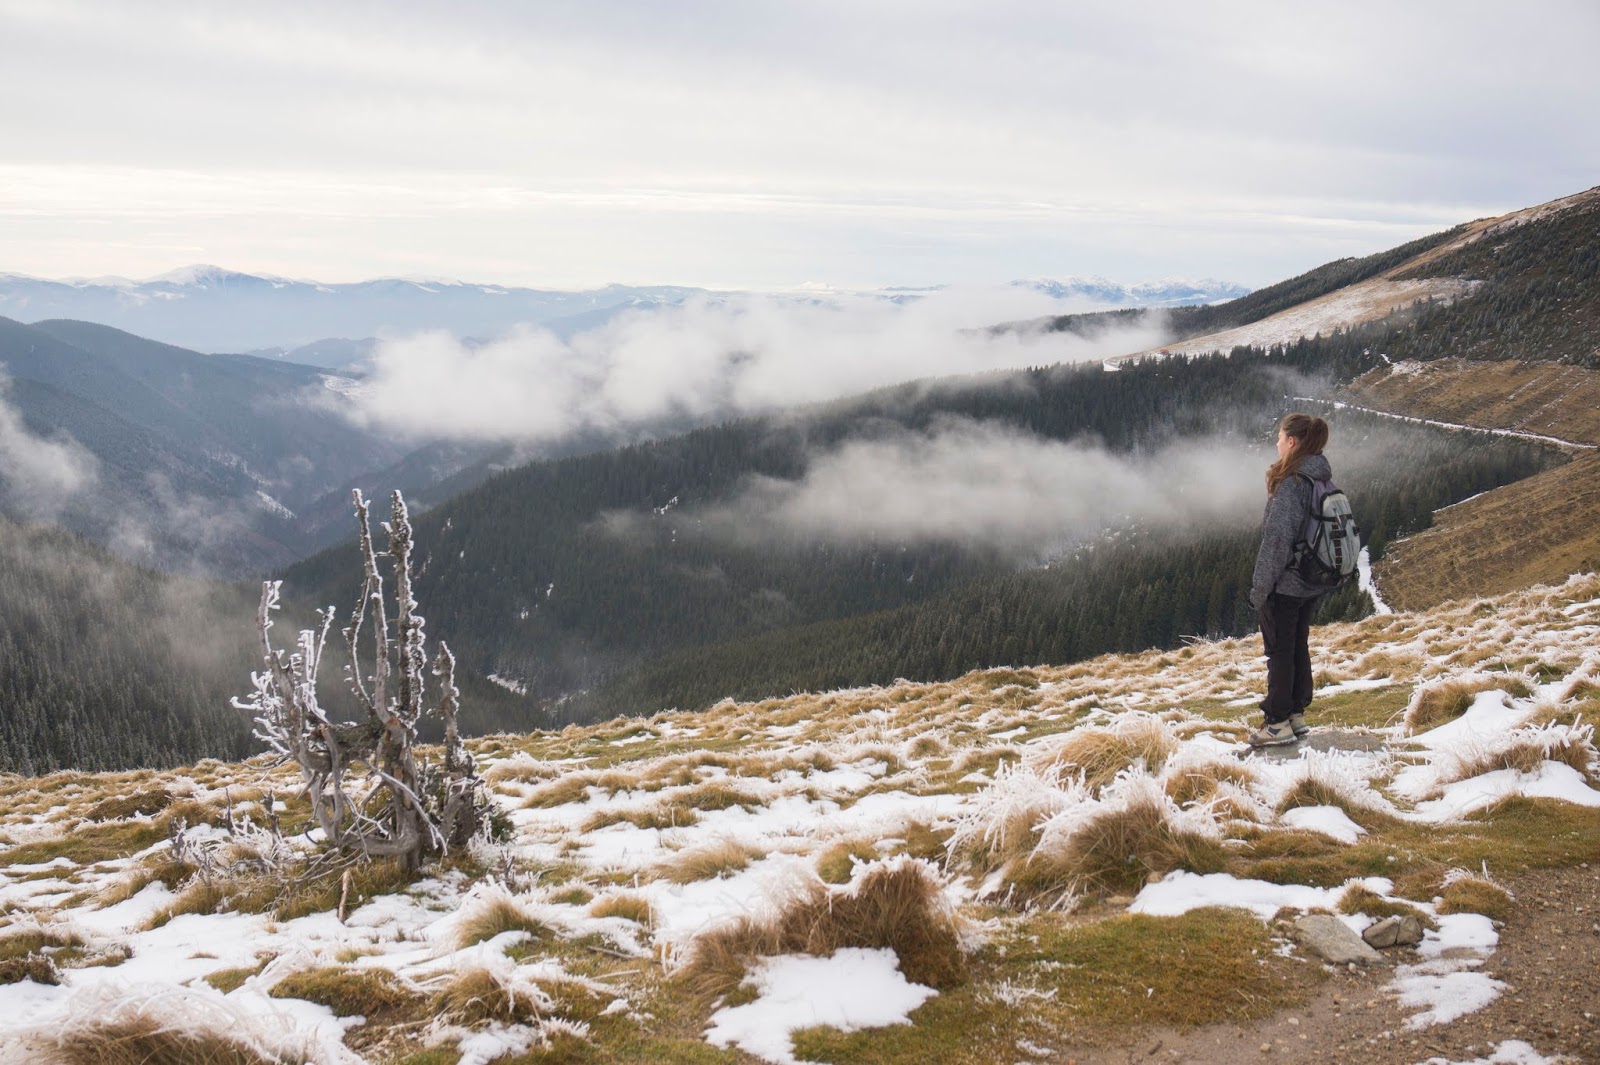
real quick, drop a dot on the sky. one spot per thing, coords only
(766, 146)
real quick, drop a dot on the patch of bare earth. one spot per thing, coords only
(1548, 956)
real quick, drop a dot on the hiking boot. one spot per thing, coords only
(1297, 721)
(1273, 734)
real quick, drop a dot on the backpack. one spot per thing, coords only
(1326, 555)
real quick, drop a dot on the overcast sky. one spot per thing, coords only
(749, 144)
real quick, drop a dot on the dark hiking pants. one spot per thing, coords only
(1286, 631)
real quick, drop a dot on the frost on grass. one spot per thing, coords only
(182, 1027)
(686, 854)
(899, 904)
(1049, 842)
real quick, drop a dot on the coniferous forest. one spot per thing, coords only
(590, 580)
(594, 585)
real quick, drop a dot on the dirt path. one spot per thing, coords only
(1548, 956)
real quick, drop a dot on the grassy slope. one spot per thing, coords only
(1533, 531)
(1537, 530)
(1038, 974)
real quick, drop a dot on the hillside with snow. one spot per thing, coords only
(1032, 864)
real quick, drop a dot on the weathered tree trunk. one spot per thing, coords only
(369, 792)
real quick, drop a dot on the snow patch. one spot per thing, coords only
(855, 988)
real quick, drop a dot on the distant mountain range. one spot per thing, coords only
(208, 308)
(1168, 292)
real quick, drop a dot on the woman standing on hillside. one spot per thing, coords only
(1281, 598)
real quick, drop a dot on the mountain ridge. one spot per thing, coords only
(211, 308)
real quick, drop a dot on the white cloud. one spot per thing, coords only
(985, 484)
(740, 145)
(713, 357)
(39, 475)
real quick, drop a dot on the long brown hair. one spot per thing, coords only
(1309, 435)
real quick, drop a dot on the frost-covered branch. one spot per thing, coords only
(369, 792)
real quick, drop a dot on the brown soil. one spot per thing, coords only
(1549, 956)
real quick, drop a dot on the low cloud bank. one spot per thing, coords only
(985, 484)
(39, 476)
(712, 357)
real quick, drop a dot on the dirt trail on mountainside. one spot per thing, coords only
(1548, 956)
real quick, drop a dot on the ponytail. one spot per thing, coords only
(1308, 436)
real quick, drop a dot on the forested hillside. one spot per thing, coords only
(1124, 594)
(1540, 297)
(181, 461)
(1185, 322)
(104, 665)
(604, 570)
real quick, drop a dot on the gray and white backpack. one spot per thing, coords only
(1327, 552)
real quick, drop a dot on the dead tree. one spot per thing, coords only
(369, 791)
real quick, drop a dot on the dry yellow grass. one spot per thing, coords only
(1527, 756)
(1533, 531)
(1099, 754)
(369, 993)
(478, 996)
(899, 906)
(1439, 701)
(707, 861)
(144, 1041)
(572, 788)
(1359, 899)
(1198, 784)
(1116, 851)
(1475, 894)
(494, 916)
(628, 905)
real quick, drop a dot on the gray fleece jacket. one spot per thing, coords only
(1281, 528)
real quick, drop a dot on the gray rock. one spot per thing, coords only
(1403, 931)
(1333, 941)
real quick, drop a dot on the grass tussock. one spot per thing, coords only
(226, 980)
(20, 943)
(369, 993)
(1115, 850)
(1469, 893)
(142, 1037)
(480, 996)
(898, 905)
(659, 816)
(628, 905)
(572, 788)
(838, 861)
(708, 862)
(495, 915)
(296, 890)
(1363, 900)
(138, 804)
(1436, 702)
(1197, 785)
(1313, 790)
(1530, 748)
(34, 967)
(1099, 754)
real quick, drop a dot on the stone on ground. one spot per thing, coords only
(1332, 940)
